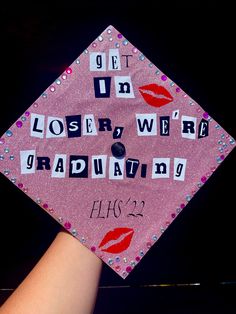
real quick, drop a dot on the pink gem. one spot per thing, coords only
(68, 70)
(94, 45)
(19, 124)
(203, 179)
(205, 115)
(2, 141)
(135, 50)
(226, 151)
(182, 205)
(167, 223)
(213, 169)
(20, 185)
(137, 258)
(117, 268)
(149, 244)
(64, 76)
(25, 190)
(35, 105)
(164, 77)
(51, 210)
(27, 113)
(173, 215)
(222, 157)
(45, 205)
(52, 89)
(93, 248)
(119, 36)
(177, 90)
(67, 225)
(129, 269)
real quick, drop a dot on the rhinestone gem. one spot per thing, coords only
(117, 259)
(23, 119)
(19, 124)
(35, 105)
(117, 45)
(74, 232)
(100, 38)
(13, 180)
(118, 268)
(172, 84)
(232, 141)
(86, 51)
(2, 141)
(109, 31)
(157, 72)
(141, 57)
(68, 70)
(58, 82)
(110, 39)
(77, 61)
(9, 133)
(141, 253)
(129, 269)
(6, 150)
(125, 260)
(11, 157)
(1, 157)
(148, 244)
(44, 95)
(188, 198)
(52, 88)
(64, 76)
(38, 200)
(60, 219)
(93, 248)
(110, 261)
(154, 237)
(132, 263)
(6, 172)
(125, 42)
(67, 225)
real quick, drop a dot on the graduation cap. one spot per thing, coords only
(113, 150)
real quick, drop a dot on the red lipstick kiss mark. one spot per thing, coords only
(115, 234)
(155, 95)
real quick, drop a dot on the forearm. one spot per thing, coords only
(65, 280)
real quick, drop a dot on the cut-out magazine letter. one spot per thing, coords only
(113, 150)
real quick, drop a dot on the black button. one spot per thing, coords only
(118, 150)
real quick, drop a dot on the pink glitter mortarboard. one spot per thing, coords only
(113, 150)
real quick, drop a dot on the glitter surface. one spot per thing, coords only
(111, 94)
